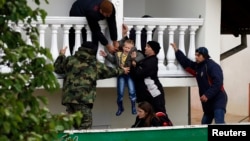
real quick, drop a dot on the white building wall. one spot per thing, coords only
(134, 8)
(55, 7)
(175, 8)
(236, 70)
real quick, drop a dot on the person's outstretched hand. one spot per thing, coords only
(124, 30)
(102, 53)
(63, 50)
(174, 46)
(111, 49)
(126, 70)
(116, 44)
(133, 55)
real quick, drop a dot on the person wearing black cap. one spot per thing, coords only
(209, 76)
(94, 11)
(82, 70)
(145, 76)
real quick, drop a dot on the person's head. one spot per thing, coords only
(128, 45)
(201, 54)
(152, 48)
(145, 111)
(106, 8)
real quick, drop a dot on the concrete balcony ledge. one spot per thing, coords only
(166, 82)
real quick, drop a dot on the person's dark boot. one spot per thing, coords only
(120, 108)
(133, 104)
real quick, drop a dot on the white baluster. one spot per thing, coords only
(78, 37)
(42, 28)
(4, 68)
(161, 54)
(28, 40)
(181, 45)
(149, 32)
(171, 67)
(191, 50)
(1, 55)
(138, 29)
(54, 47)
(18, 27)
(89, 33)
(66, 38)
(129, 28)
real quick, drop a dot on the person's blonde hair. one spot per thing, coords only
(130, 42)
(106, 7)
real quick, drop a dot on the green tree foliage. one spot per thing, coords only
(22, 118)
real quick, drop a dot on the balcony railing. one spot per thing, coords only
(54, 34)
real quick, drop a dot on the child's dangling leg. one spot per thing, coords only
(120, 108)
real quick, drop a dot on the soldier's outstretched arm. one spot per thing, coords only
(104, 71)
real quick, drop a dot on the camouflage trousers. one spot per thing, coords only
(86, 110)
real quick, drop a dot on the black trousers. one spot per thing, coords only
(72, 38)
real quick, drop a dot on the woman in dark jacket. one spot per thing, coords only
(209, 78)
(145, 75)
(146, 116)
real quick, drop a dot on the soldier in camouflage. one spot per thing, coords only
(81, 71)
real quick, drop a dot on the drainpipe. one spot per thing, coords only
(236, 49)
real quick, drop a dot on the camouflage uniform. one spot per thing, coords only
(82, 70)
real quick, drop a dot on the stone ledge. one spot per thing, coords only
(166, 82)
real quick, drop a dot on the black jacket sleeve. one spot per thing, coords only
(112, 25)
(145, 68)
(95, 28)
(185, 62)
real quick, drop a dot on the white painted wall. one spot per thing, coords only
(236, 70)
(175, 8)
(55, 7)
(134, 8)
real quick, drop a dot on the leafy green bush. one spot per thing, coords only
(22, 118)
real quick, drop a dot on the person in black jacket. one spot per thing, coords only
(94, 11)
(209, 78)
(145, 76)
(146, 116)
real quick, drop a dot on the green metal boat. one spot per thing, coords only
(168, 133)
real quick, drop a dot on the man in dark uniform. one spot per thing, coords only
(209, 76)
(94, 11)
